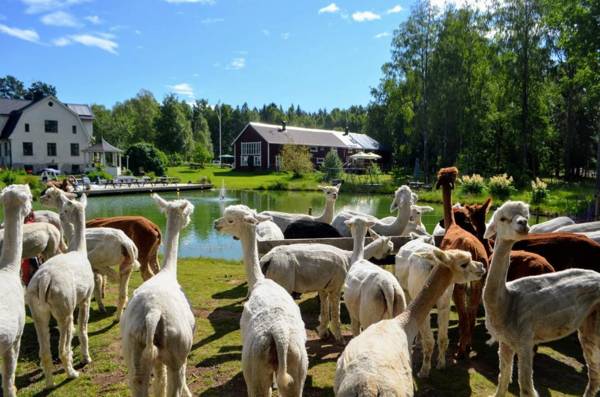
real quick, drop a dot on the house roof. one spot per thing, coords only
(274, 134)
(103, 147)
(13, 108)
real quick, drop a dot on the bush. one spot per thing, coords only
(539, 191)
(8, 177)
(501, 186)
(332, 166)
(175, 159)
(99, 174)
(473, 184)
(146, 158)
(296, 159)
(202, 155)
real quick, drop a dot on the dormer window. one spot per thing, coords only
(74, 129)
(26, 127)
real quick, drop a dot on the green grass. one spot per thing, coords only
(216, 290)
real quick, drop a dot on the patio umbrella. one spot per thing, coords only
(365, 156)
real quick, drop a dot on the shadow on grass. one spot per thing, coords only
(238, 292)
(224, 319)
(234, 387)
(219, 359)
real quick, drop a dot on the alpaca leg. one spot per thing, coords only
(355, 324)
(123, 283)
(160, 379)
(104, 278)
(427, 343)
(443, 318)
(589, 338)
(65, 328)
(9, 369)
(463, 318)
(41, 318)
(474, 302)
(98, 281)
(138, 369)
(84, 316)
(334, 307)
(525, 357)
(323, 328)
(176, 382)
(506, 356)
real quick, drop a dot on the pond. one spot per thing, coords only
(200, 239)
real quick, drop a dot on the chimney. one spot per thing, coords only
(283, 125)
(347, 131)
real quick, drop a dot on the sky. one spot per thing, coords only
(316, 54)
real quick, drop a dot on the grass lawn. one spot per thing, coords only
(216, 290)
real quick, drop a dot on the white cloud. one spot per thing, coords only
(191, 1)
(38, 6)
(365, 16)
(23, 34)
(108, 36)
(196, 75)
(480, 5)
(381, 35)
(207, 21)
(182, 89)
(285, 35)
(394, 10)
(62, 41)
(60, 18)
(266, 32)
(237, 63)
(330, 9)
(95, 41)
(94, 19)
(137, 31)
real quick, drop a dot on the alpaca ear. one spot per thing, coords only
(338, 186)
(373, 234)
(263, 218)
(413, 235)
(394, 205)
(425, 208)
(490, 230)
(370, 224)
(83, 200)
(427, 255)
(251, 219)
(349, 222)
(415, 197)
(159, 200)
(440, 255)
(488, 203)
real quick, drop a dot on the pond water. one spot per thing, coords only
(200, 239)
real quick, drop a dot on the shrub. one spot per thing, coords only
(473, 184)
(8, 177)
(539, 191)
(202, 155)
(296, 159)
(332, 166)
(99, 174)
(501, 186)
(145, 158)
(175, 159)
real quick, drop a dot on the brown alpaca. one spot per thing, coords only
(143, 232)
(458, 238)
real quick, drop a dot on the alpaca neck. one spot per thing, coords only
(171, 245)
(327, 215)
(438, 281)
(494, 292)
(447, 198)
(358, 252)
(399, 224)
(78, 242)
(370, 250)
(250, 250)
(10, 259)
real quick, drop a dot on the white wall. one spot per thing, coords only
(35, 117)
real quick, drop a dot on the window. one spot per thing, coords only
(251, 149)
(314, 149)
(26, 127)
(74, 149)
(74, 129)
(27, 149)
(75, 169)
(51, 149)
(51, 126)
(320, 160)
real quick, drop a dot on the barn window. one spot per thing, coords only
(251, 149)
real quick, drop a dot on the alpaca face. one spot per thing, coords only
(477, 214)
(384, 248)
(509, 221)
(403, 196)
(464, 268)
(72, 209)
(331, 192)
(17, 197)
(417, 211)
(236, 218)
(358, 225)
(176, 209)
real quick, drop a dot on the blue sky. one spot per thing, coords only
(312, 53)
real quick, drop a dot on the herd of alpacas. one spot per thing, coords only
(537, 284)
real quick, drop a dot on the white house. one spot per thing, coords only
(44, 134)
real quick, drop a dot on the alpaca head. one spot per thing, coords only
(464, 269)
(238, 218)
(403, 196)
(72, 210)
(331, 192)
(17, 198)
(180, 210)
(509, 222)
(417, 211)
(384, 247)
(477, 214)
(462, 219)
(424, 237)
(52, 197)
(359, 225)
(447, 177)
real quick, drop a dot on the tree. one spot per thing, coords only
(200, 131)
(39, 89)
(174, 131)
(296, 159)
(332, 165)
(144, 111)
(145, 157)
(202, 155)
(11, 88)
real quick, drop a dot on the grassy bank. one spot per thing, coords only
(216, 290)
(564, 198)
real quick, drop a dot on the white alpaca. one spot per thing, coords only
(586, 227)
(415, 222)
(157, 328)
(66, 281)
(531, 310)
(412, 270)
(16, 200)
(40, 239)
(378, 362)
(273, 334)
(321, 268)
(283, 219)
(551, 225)
(403, 200)
(592, 235)
(268, 231)
(370, 292)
